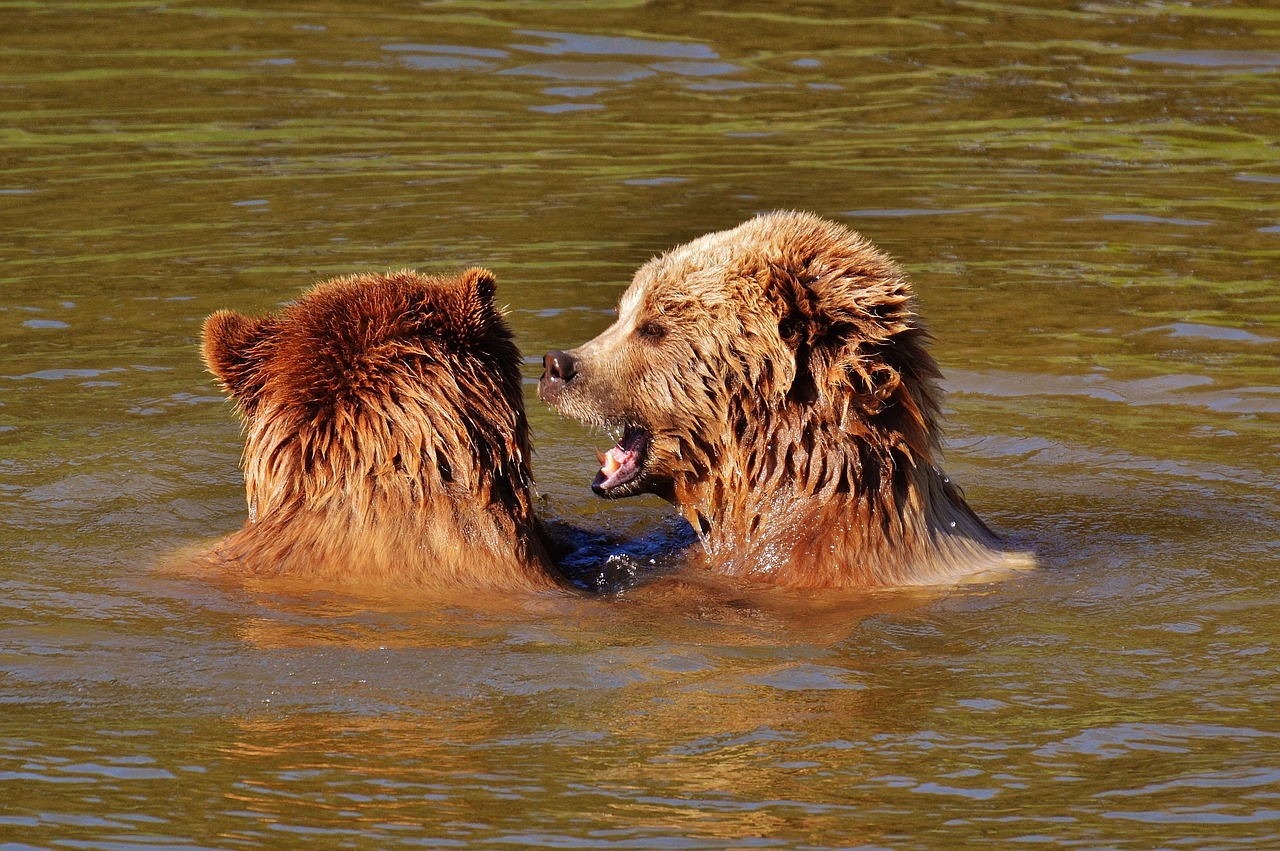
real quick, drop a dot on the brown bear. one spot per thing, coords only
(773, 382)
(386, 439)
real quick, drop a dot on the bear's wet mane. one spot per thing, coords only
(384, 423)
(815, 462)
(410, 388)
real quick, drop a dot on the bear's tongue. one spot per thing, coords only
(621, 463)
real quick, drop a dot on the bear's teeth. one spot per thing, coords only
(612, 463)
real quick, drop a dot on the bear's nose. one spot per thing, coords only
(558, 368)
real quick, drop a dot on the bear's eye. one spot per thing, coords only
(651, 330)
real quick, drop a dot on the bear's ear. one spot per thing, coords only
(230, 350)
(858, 345)
(479, 285)
(458, 308)
(477, 315)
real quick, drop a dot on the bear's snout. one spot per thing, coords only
(558, 369)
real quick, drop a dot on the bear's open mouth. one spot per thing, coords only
(623, 463)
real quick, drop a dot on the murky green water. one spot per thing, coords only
(1088, 197)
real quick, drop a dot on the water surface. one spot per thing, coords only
(1087, 197)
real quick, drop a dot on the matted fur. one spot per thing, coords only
(792, 406)
(386, 439)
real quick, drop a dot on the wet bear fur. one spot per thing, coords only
(773, 382)
(386, 440)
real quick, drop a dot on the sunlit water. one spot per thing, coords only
(1087, 196)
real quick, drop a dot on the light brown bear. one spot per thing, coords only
(773, 382)
(386, 439)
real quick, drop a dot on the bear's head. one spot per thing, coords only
(375, 397)
(784, 351)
